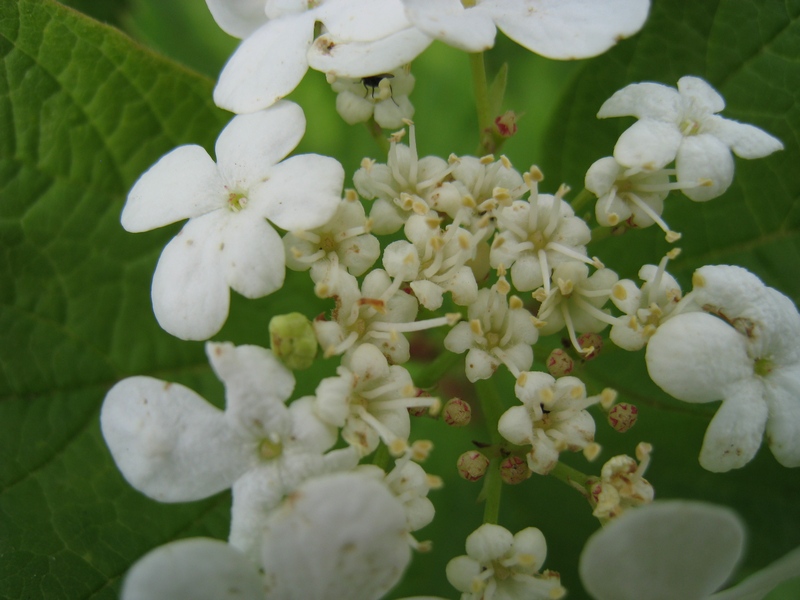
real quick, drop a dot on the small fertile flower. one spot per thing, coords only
(499, 331)
(384, 96)
(551, 420)
(363, 37)
(682, 125)
(675, 549)
(621, 485)
(742, 350)
(228, 241)
(504, 566)
(173, 446)
(560, 29)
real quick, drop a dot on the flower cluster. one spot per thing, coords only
(318, 511)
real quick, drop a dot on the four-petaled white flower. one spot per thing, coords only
(560, 29)
(744, 353)
(675, 549)
(173, 446)
(682, 125)
(227, 242)
(504, 566)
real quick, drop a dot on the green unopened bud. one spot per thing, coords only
(514, 469)
(293, 340)
(457, 412)
(472, 465)
(559, 363)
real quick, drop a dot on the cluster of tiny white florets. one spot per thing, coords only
(307, 520)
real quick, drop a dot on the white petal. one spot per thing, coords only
(362, 20)
(255, 495)
(338, 536)
(704, 157)
(302, 192)
(745, 140)
(695, 357)
(470, 30)
(256, 387)
(251, 144)
(515, 426)
(168, 442)
(390, 113)
(190, 294)
(643, 101)
(489, 542)
(252, 256)
(734, 435)
(569, 29)
(308, 430)
(649, 144)
(363, 59)
(239, 18)
(197, 568)
(761, 582)
(181, 185)
(353, 109)
(267, 65)
(783, 427)
(663, 551)
(700, 95)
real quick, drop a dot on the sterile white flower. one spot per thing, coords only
(173, 446)
(682, 125)
(561, 29)
(363, 38)
(742, 351)
(675, 549)
(227, 242)
(502, 566)
(385, 96)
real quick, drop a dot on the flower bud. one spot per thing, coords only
(514, 470)
(622, 416)
(506, 124)
(559, 363)
(457, 412)
(292, 340)
(591, 343)
(472, 465)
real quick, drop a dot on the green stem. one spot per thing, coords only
(492, 407)
(482, 104)
(434, 372)
(381, 457)
(601, 233)
(572, 477)
(579, 201)
(376, 132)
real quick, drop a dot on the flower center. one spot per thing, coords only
(763, 367)
(269, 449)
(236, 201)
(327, 243)
(690, 127)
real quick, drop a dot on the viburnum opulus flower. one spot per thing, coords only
(384, 97)
(173, 446)
(742, 350)
(363, 38)
(228, 241)
(560, 29)
(682, 125)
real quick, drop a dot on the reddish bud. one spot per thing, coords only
(457, 412)
(514, 469)
(472, 465)
(622, 416)
(592, 342)
(506, 124)
(559, 363)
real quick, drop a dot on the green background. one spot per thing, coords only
(85, 109)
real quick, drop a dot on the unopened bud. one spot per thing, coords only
(418, 411)
(559, 363)
(292, 340)
(472, 465)
(457, 412)
(514, 469)
(506, 123)
(591, 343)
(623, 416)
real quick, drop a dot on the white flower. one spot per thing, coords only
(745, 354)
(502, 566)
(682, 125)
(561, 29)
(337, 537)
(499, 331)
(675, 549)
(173, 446)
(385, 96)
(363, 37)
(227, 242)
(621, 485)
(552, 419)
